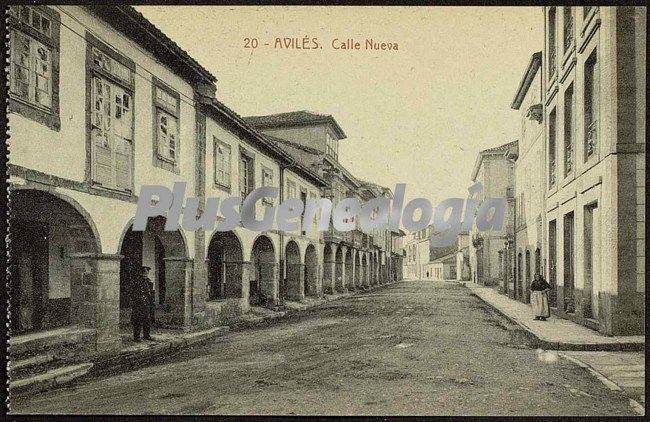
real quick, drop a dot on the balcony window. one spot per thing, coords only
(166, 105)
(34, 64)
(246, 175)
(551, 149)
(568, 28)
(568, 130)
(552, 61)
(31, 70)
(222, 157)
(267, 180)
(111, 117)
(591, 105)
(332, 146)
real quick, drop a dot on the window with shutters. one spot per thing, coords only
(552, 164)
(292, 190)
(246, 174)
(332, 146)
(552, 47)
(568, 130)
(111, 89)
(222, 156)
(314, 197)
(591, 106)
(166, 109)
(267, 180)
(34, 64)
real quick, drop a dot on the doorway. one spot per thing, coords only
(30, 274)
(569, 265)
(590, 300)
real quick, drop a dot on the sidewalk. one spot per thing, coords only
(555, 333)
(619, 371)
(165, 341)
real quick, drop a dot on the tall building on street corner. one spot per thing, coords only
(594, 84)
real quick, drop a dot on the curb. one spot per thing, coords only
(636, 406)
(567, 346)
(133, 358)
(49, 379)
(104, 363)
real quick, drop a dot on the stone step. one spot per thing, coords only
(49, 379)
(29, 366)
(57, 342)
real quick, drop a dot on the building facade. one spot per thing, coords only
(486, 250)
(76, 205)
(525, 257)
(134, 109)
(594, 119)
(351, 259)
(463, 270)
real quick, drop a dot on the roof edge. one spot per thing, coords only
(119, 16)
(326, 118)
(284, 156)
(533, 66)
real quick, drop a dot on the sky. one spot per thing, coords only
(417, 115)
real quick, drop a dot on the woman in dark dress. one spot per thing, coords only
(539, 289)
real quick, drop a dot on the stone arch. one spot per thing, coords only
(65, 198)
(225, 258)
(311, 271)
(166, 253)
(263, 285)
(47, 229)
(295, 272)
(184, 252)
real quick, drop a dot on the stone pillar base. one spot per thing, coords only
(95, 296)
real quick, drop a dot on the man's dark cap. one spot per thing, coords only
(144, 268)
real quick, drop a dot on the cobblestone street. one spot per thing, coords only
(407, 349)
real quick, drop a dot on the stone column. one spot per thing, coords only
(353, 276)
(295, 280)
(178, 290)
(276, 284)
(340, 278)
(95, 296)
(319, 281)
(329, 271)
(366, 271)
(246, 274)
(200, 288)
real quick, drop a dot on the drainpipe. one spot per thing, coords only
(281, 233)
(514, 229)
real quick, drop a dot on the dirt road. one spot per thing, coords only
(413, 348)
